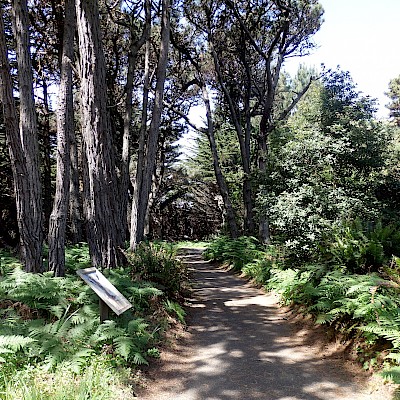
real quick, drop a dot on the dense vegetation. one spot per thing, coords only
(296, 171)
(52, 344)
(332, 199)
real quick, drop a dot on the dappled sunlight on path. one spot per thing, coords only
(241, 346)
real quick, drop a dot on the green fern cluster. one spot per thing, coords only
(49, 322)
(360, 247)
(77, 257)
(174, 308)
(237, 252)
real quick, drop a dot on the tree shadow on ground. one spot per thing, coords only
(246, 349)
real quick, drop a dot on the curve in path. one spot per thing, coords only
(240, 346)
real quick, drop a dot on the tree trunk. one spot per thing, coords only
(223, 188)
(141, 150)
(23, 142)
(65, 125)
(102, 214)
(263, 229)
(154, 130)
(75, 198)
(243, 140)
(135, 47)
(44, 133)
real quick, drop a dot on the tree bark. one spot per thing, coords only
(65, 125)
(102, 214)
(154, 130)
(45, 151)
(75, 199)
(230, 213)
(141, 150)
(132, 57)
(23, 141)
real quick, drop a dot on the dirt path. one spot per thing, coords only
(241, 346)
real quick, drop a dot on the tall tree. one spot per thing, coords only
(249, 43)
(193, 71)
(23, 142)
(102, 207)
(141, 150)
(65, 128)
(135, 45)
(154, 129)
(229, 94)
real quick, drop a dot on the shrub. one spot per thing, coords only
(158, 263)
(361, 247)
(237, 252)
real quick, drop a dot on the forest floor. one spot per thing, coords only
(240, 344)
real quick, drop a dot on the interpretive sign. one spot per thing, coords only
(105, 289)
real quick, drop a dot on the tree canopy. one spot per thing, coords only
(289, 155)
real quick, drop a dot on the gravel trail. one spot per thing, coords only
(241, 345)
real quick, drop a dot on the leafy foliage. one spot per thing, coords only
(326, 166)
(237, 252)
(394, 95)
(156, 262)
(361, 247)
(174, 308)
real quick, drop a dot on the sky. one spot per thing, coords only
(362, 37)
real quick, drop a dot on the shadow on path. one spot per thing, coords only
(242, 347)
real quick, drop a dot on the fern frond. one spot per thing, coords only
(15, 342)
(123, 346)
(137, 325)
(138, 359)
(393, 335)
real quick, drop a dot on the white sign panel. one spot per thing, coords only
(105, 289)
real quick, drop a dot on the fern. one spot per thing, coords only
(391, 334)
(236, 252)
(57, 319)
(138, 359)
(11, 344)
(124, 346)
(176, 309)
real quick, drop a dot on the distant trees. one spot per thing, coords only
(394, 96)
(248, 44)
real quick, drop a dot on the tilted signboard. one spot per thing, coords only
(105, 289)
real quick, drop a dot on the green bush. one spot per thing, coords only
(237, 252)
(157, 263)
(360, 247)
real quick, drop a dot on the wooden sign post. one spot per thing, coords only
(109, 296)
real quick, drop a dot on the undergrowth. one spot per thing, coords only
(50, 328)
